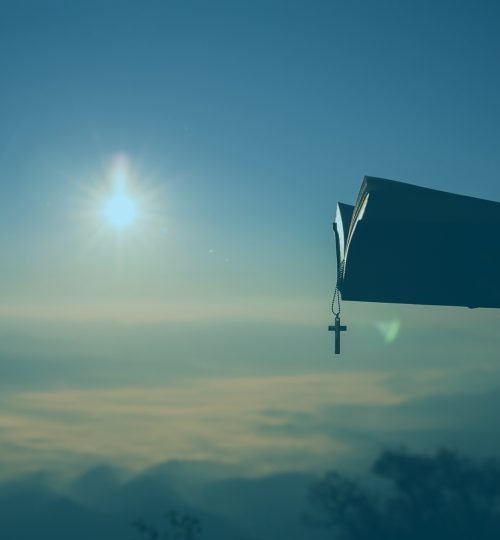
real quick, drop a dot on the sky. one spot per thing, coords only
(199, 332)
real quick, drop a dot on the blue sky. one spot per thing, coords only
(202, 333)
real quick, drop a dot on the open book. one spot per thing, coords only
(407, 244)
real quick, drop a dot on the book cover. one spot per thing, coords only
(402, 243)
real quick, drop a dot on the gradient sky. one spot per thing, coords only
(202, 332)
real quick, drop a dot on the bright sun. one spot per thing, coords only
(120, 210)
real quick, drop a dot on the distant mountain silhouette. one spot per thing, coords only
(410, 497)
(31, 510)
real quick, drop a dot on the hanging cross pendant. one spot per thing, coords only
(337, 329)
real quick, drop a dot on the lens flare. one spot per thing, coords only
(389, 329)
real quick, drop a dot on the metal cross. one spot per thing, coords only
(337, 329)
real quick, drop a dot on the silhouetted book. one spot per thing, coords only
(408, 244)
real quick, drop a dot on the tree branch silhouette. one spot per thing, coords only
(443, 496)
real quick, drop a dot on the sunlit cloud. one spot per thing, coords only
(210, 419)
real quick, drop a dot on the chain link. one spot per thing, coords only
(336, 294)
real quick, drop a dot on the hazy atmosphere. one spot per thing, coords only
(169, 173)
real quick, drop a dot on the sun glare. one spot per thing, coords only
(123, 205)
(120, 210)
